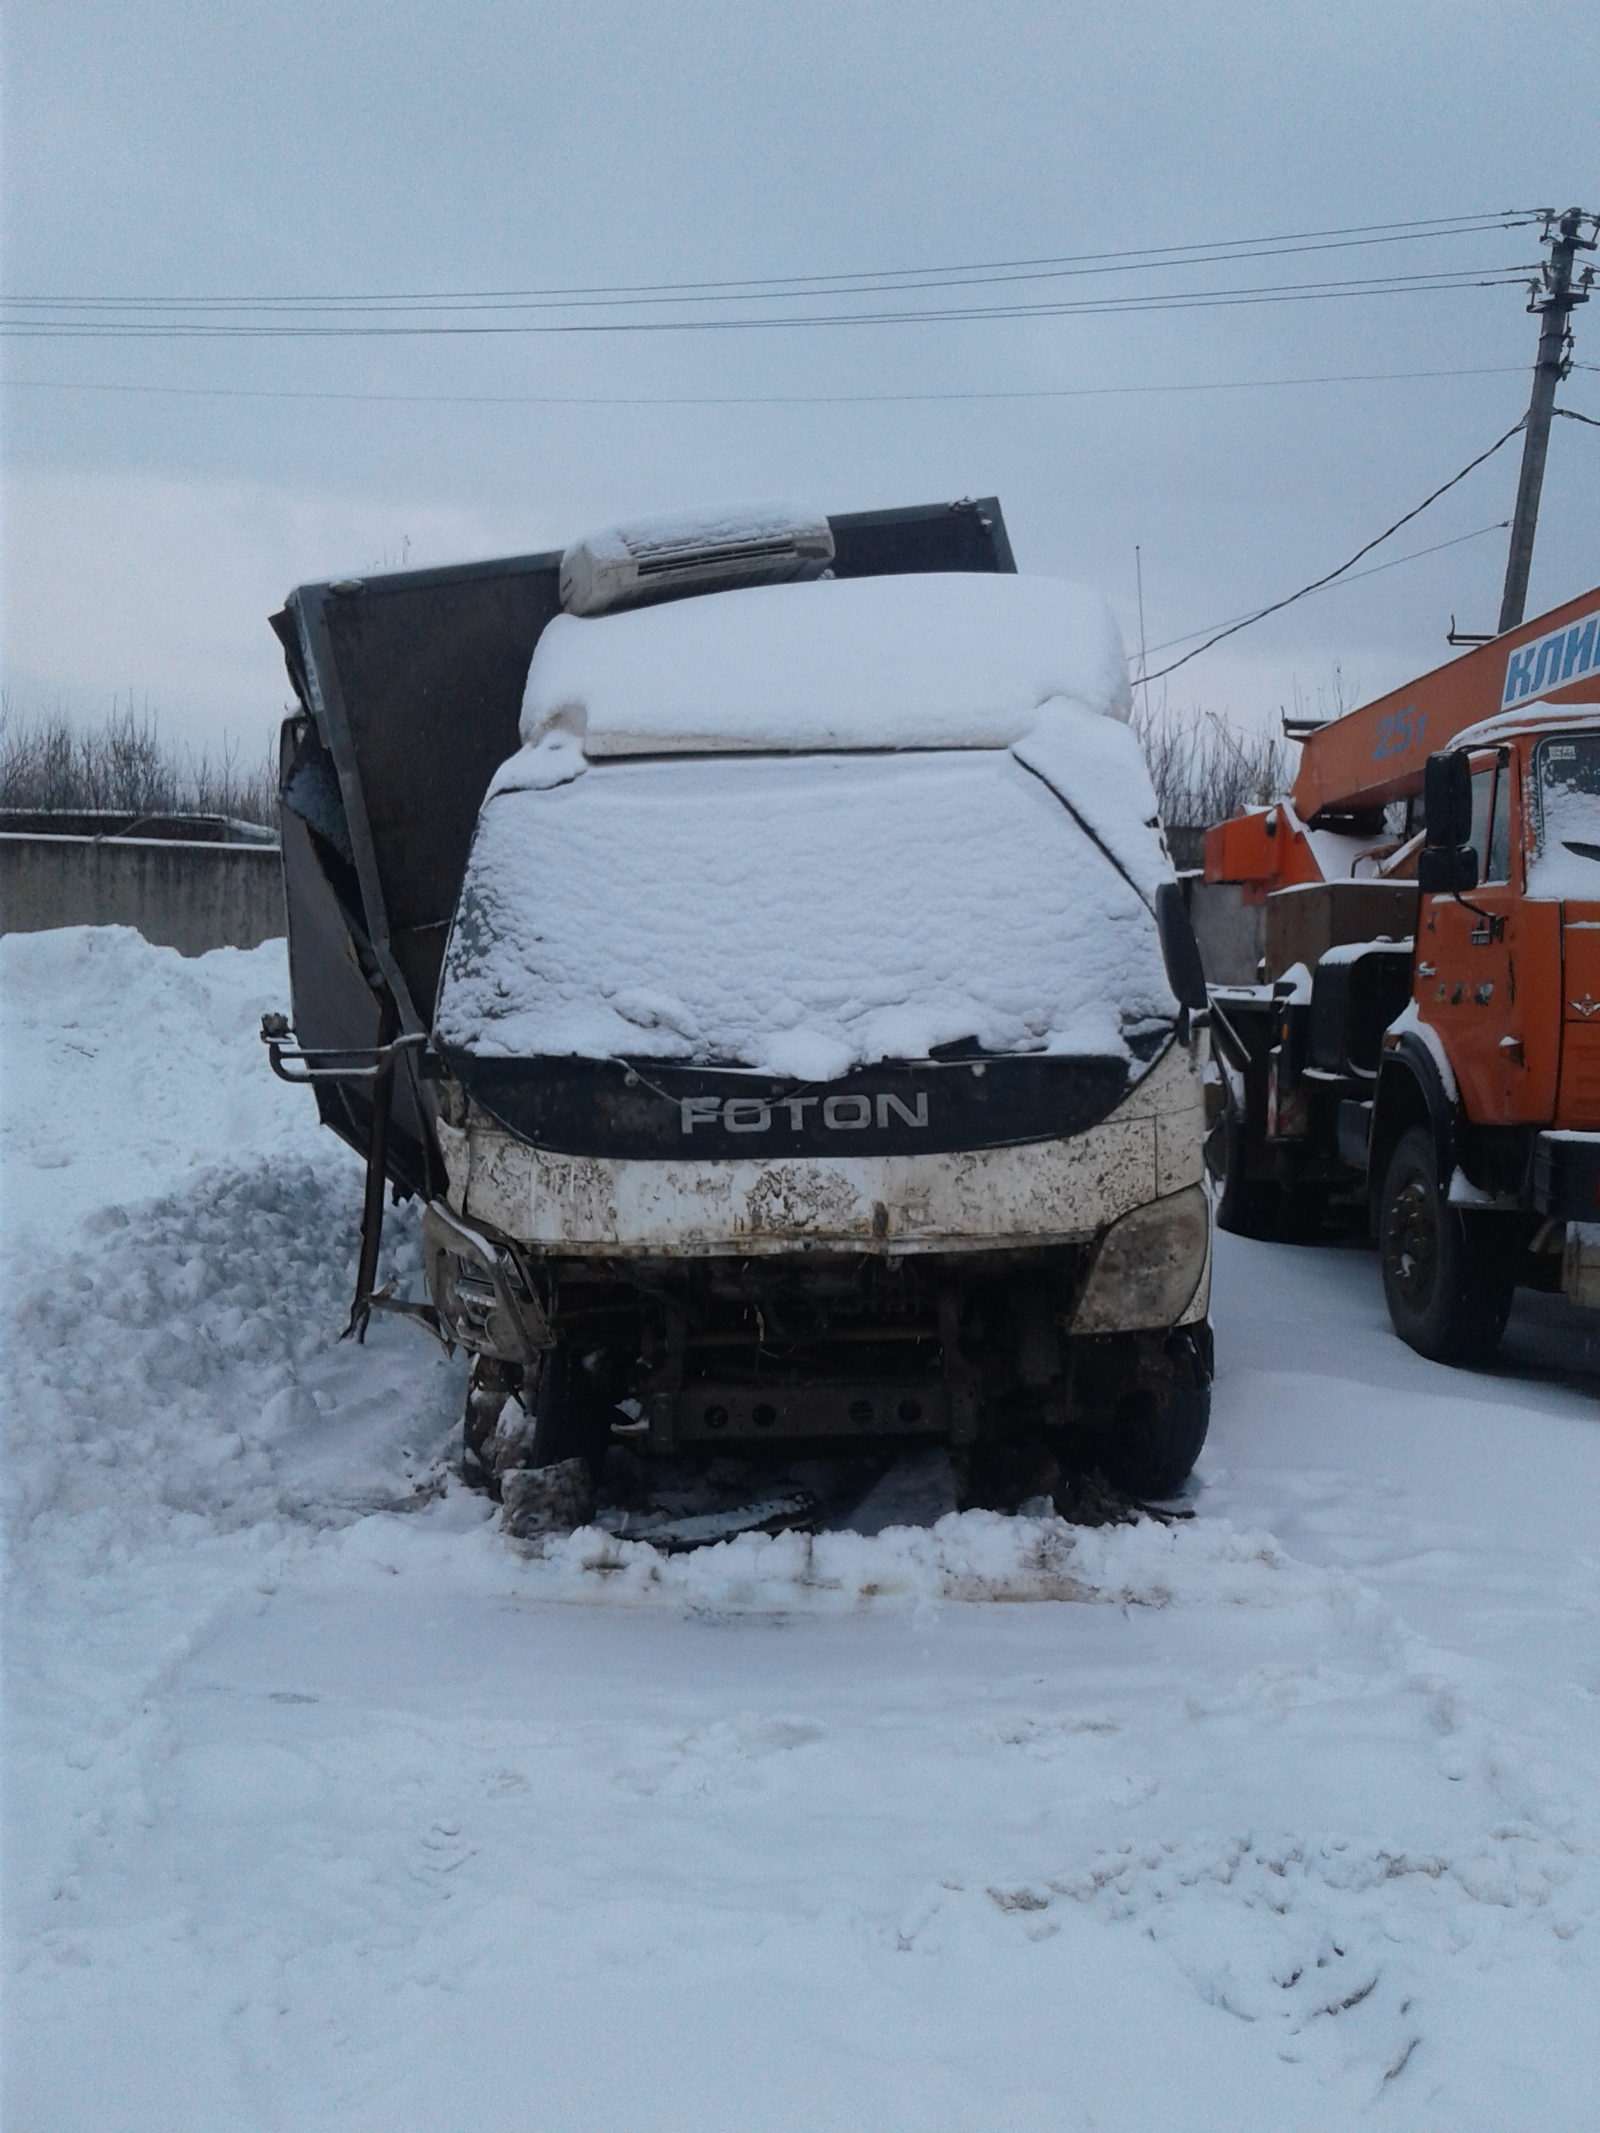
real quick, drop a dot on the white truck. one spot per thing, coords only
(814, 1056)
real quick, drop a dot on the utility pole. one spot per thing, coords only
(1138, 571)
(1554, 298)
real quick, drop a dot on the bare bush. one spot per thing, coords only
(1336, 697)
(125, 767)
(1205, 769)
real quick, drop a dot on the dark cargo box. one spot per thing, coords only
(410, 688)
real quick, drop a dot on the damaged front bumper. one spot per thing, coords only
(700, 1303)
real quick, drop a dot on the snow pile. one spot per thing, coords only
(181, 1238)
(180, 1370)
(802, 914)
(1098, 772)
(972, 1555)
(127, 1066)
(942, 660)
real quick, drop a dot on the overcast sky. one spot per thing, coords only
(161, 149)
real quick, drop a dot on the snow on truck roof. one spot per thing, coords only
(1541, 716)
(942, 660)
(843, 821)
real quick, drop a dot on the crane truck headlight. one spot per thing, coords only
(1148, 1266)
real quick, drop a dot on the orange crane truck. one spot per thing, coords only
(1424, 1032)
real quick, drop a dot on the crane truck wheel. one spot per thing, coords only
(1448, 1276)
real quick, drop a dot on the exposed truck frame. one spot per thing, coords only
(1424, 1029)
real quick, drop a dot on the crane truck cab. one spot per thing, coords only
(1426, 1037)
(1485, 1129)
(814, 1043)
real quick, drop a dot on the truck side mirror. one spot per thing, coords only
(1447, 800)
(1447, 869)
(1447, 865)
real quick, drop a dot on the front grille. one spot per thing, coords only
(662, 1110)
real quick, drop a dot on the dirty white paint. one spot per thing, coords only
(1045, 1192)
(1200, 1302)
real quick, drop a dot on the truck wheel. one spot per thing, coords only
(1248, 1207)
(1161, 1429)
(1448, 1276)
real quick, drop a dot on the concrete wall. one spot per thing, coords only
(188, 896)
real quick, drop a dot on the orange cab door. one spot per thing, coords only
(1489, 969)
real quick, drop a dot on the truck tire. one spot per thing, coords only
(1448, 1276)
(1161, 1430)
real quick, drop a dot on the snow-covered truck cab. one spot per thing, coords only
(818, 1033)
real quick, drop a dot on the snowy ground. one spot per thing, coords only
(326, 1808)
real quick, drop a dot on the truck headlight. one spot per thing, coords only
(1148, 1266)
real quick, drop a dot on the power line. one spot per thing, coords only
(896, 281)
(1192, 300)
(1355, 577)
(817, 287)
(1061, 392)
(1210, 252)
(1572, 415)
(1328, 577)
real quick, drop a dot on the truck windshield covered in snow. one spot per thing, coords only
(801, 915)
(1568, 777)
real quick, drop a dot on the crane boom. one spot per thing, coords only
(1376, 754)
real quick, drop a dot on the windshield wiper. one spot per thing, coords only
(1584, 851)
